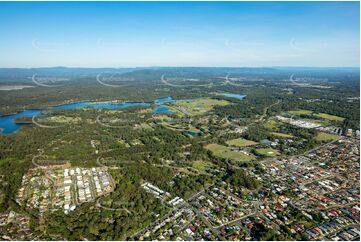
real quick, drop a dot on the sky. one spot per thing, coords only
(138, 34)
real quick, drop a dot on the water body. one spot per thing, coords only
(165, 100)
(104, 105)
(193, 133)
(234, 95)
(8, 125)
(162, 109)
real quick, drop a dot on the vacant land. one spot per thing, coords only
(241, 142)
(329, 117)
(267, 152)
(225, 152)
(300, 112)
(282, 135)
(325, 136)
(318, 115)
(271, 124)
(202, 165)
(198, 106)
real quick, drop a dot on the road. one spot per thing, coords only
(264, 114)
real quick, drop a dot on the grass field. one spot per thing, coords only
(202, 165)
(271, 124)
(241, 142)
(199, 106)
(225, 152)
(329, 117)
(146, 126)
(319, 115)
(300, 112)
(267, 152)
(326, 137)
(282, 135)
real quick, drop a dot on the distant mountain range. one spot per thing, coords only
(69, 71)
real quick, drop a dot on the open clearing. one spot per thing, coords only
(241, 142)
(329, 117)
(267, 152)
(199, 106)
(321, 136)
(202, 165)
(282, 135)
(271, 124)
(300, 112)
(319, 115)
(225, 152)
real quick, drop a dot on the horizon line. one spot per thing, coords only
(134, 67)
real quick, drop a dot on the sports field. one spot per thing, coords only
(225, 152)
(267, 152)
(240, 142)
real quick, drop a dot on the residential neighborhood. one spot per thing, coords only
(48, 188)
(313, 196)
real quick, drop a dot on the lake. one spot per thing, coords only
(234, 95)
(164, 100)
(104, 105)
(8, 125)
(162, 109)
(7, 122)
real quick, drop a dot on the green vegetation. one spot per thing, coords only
(156, 148)
(239, 178)
(267, 152)
(272, 124)
(226, 153)
(309, 113)
(282, 135)
(321, 136)
(241, 142)
(202, 165)
(300, 112)
(329, 117)
(198, 106)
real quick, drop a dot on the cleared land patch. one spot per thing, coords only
(329, 117)
(225, 152)
(202, 165)
(300, 112)
(198, 106)
(241, 142)
(271, 124)
(318, 115)
(282, 135)
(325, 136)
(267, 152)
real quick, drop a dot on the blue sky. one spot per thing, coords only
(129, 34)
